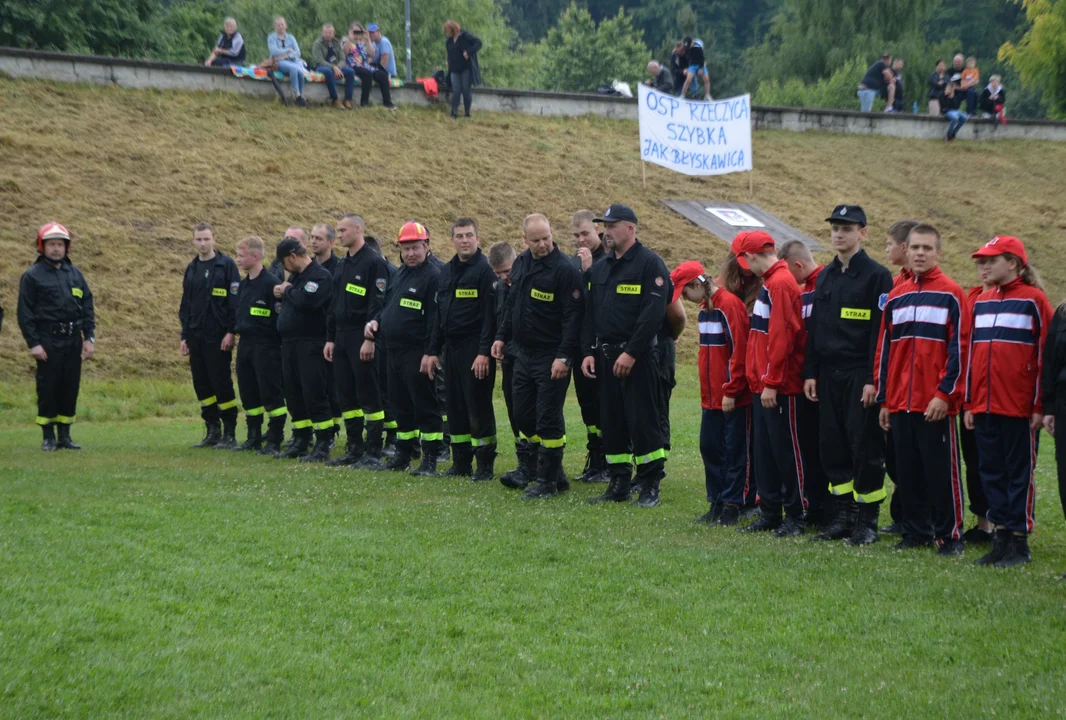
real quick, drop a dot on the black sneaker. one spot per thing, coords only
(764, 523)
(1017, 552)
(538, 490)
(300, 101)
(790, 528)
(951, 548)
(711, 516)
(730, 515)
(910, 543)
(649, 496)
(892, 529)
(977, 536)
(1001, 539)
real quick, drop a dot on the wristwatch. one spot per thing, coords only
(565, 361)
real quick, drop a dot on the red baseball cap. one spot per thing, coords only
(683, 274)
(751, 241)
(1002, 244)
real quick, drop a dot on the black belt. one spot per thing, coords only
(616, 349)
(66, 329)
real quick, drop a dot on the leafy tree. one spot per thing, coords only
(580, 56)
(102, 27)
(1040, 56)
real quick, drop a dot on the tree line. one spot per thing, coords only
(786, 52)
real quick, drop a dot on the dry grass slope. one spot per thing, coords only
(131, 171)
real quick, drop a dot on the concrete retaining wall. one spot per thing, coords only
(170, 76)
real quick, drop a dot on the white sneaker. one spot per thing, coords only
(708, 98)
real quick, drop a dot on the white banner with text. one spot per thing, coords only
(692, 137)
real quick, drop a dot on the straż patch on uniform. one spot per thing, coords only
(311, 287)
(233, 288)
(380, 284)
(882, 301)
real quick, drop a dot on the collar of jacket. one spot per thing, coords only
(629, 254)
(858, 263)
(473, 258)
(933, 274)
(1011, 286)
(64, 264)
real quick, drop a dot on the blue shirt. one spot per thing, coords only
(277, 47)
(384, 46)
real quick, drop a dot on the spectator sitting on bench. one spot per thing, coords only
(951, 106)
(992, 100)
(360, 53)
(327, 57)
(285, 52)
(661, 79)
(897, 83)
(970, 78)
(938, 80)
(229, 48)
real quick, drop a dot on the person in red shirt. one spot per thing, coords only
(1004, 407)
(919, 363)
(984, 531)
(725, 428)
(803, 267)
(774, 367)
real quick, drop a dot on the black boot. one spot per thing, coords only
(228, 441)
(764, 523)
(64, 442)
(428, 466)
(562, 482)
(486, 461)
(375, 436)
(462, 461)
(352, 455)
(1018, 552)
(301, 441)
(595, 467)
(274, 435)
(648, 477)
(617, 488)
(521, 476)
(254, 441)
(211, 437)
(49, 442)
(323, 441)
(865, 532)
(845, 511)
(1000, 544)
(402, 459)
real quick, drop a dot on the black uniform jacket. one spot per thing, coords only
(359, 285)
(466, 303)
(49, 296)
(544, 305)
(209, 297)
(626, 301)
(304, 304)
(409, 315)
(257, 309)
(846, 316)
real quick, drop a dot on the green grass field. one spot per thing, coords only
(145, 579)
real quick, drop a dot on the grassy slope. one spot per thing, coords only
(146, 579)
(130, 171)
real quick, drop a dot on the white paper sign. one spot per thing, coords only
(695, 138)
(736, 218)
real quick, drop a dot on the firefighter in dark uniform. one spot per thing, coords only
(405, 325)
(465, 331)
(842, 334)
(359, 285)
(624, 312)
(305, 299)
(542, 319)
(438, 380)
(208, 316)
(590, 250)
(323, 239)
(259, 351)
(58, 321)
(380, 357)
(502, 258)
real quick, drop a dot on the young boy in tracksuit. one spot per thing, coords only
(1003, 402)
(774, 368)
(725, 430)
(919, 363)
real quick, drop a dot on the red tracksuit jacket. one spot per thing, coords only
(777, 338)
(723, 343)
(921, 351)
(807, 293)
(1007, 335)
(904, 276)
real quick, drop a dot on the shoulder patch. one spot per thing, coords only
(577, 294)
(277, 306)
(380, 284)
(311, 287)
(659, 281)
(882, 301)
(233, 288)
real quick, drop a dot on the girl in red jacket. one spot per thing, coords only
(1003, 402)
(725, 430)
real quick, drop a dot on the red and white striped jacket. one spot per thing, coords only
(723, 323)
(777, 339)
(1007, 335)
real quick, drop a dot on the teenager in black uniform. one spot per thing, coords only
(323, 240)
(259, 352)
(58, 321)
(625, 310)
(208, 316)
(360, 281)
(380, 356)
(302, 325)
(405, 325)
(542, 319)
(502, 259)
(590, 250)
(466, 330)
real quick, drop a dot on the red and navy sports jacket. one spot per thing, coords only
(723, 323)
(1007, 335)
(904, 276)
(921, 351)
(777, 338)
(807, 292)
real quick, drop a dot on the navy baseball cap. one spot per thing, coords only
(618, 213)
(848, 214)
(288, 246)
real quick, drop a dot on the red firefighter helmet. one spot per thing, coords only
(51, 231)
(412, 231)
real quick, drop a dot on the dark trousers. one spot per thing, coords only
(357, 388)
(895, 507)
(59, 379)
(259, 381)
(538, 400)
(507, 381)
(412, 400)
(816, 486)
(306, 372)
(780, 472)
(462, 85)
(667, 382)
(331, 82)
(381, 363)
(726, 448)
(975, 491)
(629, 414)
(1007, 450)
(471, 417)
(1059, 411)
(367, 78)
(928, 481)
(588, 399)
(852, 442)
(211, 378)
